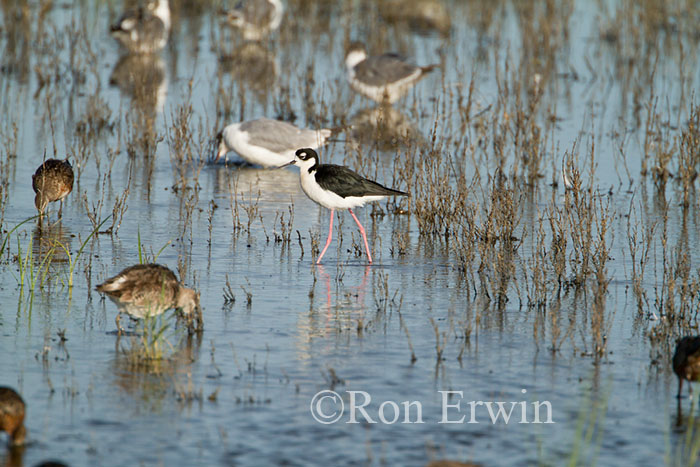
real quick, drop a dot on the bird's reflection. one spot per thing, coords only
(153, 379)
(142, 78)
(349, 302)
(17, 27)
(14, 457)
(50, 243)
(421, 16)
(275, 185)
(253, 65)
(385, 127)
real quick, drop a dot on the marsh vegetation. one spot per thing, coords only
(548, 243)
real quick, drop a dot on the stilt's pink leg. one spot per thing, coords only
(330, 237)
(364, 236)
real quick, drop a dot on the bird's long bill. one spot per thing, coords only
(292, 162)
(221, 150)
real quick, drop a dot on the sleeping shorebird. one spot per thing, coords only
(255, 18)
(267, 142)
(337, 187)
(12, 416)
(383, 78)
(52, 181)
(145, 290)
(144, 29)
(686, 361)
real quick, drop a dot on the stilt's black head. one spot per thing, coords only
(305, 158)
(305, 154)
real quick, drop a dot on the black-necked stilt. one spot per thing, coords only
(12, 416)
(267, 142)
(337, 187)
(52, 181)
(255, 18)
(146, 290)
(383, 78)
(144, 29)
(686, 360)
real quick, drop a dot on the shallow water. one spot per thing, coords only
(240, 393)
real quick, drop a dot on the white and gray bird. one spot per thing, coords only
(382, 78)
(255, 18)
(144, 29)
(337, 187)
(268, 142)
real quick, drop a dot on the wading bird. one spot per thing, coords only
(144, 29)
(146, 290)
(267, 142)
(382, 78)
(255, 18)
(337, 187)
(12, 416)
(52, 181)
(686, 361)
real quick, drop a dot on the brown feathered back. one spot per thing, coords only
(686, 359)
(52, 181)
(12, 415)
(148, 289)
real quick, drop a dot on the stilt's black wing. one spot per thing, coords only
(344, 182)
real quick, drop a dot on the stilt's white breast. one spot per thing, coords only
(329, 199)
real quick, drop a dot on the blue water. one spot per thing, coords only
(240, 393)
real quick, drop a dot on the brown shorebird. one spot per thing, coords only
(52, 181)
(382, 78)
(148, 290)
(12, 415)
(686, 361)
